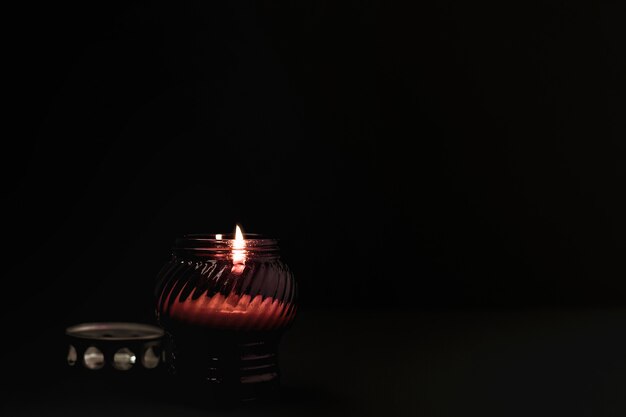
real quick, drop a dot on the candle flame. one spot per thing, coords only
(239, 253)
(239, 236)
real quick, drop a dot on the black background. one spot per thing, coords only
(436, 156)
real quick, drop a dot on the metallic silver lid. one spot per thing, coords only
(115, 331)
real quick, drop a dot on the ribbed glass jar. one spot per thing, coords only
(224, 307)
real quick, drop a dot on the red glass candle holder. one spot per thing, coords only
(224, 306)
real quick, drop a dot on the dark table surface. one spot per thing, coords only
(498, 363)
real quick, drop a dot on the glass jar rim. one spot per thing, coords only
(207, 244)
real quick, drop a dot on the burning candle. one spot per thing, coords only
(239, 253)
(225, 301)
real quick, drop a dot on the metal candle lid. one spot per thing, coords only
(114, 346)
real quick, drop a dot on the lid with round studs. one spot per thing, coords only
(124, 348)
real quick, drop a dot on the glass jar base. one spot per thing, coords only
(229, 366)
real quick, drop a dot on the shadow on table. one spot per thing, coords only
(287, 400)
